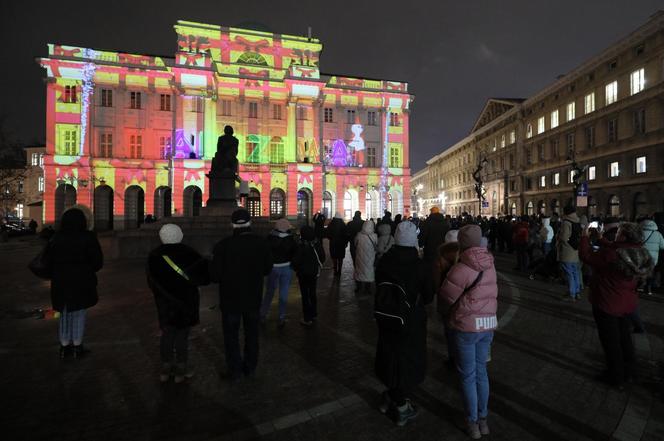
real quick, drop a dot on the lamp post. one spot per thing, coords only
(577, 174)
(477, 176)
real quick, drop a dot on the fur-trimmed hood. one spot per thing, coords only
(634, 262)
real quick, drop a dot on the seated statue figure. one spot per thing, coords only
(226, 156)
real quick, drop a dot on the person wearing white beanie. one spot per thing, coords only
(170, 234)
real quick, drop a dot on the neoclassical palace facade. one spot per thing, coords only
(131, 135)
(605, 116)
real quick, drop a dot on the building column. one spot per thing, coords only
(209, 129)
(290, 147)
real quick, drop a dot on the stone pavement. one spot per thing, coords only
(312, 383)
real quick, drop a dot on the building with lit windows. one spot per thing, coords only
(131, 135)
(607, 116)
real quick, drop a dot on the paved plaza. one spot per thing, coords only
(311, 384)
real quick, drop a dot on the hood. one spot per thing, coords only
(572, 217)
(368, 227)
(384, 230)
(648, 225)
(634, 261)
(546, 222)
(477, 258)
(436, 217)
(278, 233)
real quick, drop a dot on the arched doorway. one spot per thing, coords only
(640, 206)
(328, 204)
(162, 202)
(103, 208)
(530, 208)
(513, 209)
(396, 203)
(254, 202)
(277, 203)
(304, 200)
(351, 203)
(65, 197)
(614, 205)
(541, 207)
(192, 200)
(134, 206)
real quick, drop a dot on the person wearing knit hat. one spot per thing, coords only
(307, 263)
(240, 263)
(471, 290)
(401, 356)
(175, 271)
(283, 247)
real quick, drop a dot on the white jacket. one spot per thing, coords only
(546, 232)
(365, 253)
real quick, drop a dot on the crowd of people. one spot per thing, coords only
(404, 263)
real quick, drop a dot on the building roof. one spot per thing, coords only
(494, 108)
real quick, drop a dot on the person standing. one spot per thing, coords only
(385, 240)
(282, 246)
(319, 226)
(73, 256)
(654, 243)
(401, 354)
(568, 252)
(352, 229)
(365, 258)
(616, 270)
(471, 290)
(520, 236)
(239, 264)
(546, 235)
(336, 233)
(174, 273)
(307, 263)
(432, 234)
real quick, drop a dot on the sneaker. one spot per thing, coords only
(649, 293)
(80, 351)
(65, 351)
(385, 403)
(484, 426)
(306, 323)
(473, 430)
(182, 373)
(568, 299)
(405, 413)
(165, 373)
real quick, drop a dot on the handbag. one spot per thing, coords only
(40, 265)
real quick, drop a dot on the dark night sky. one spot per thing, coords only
(454, 54)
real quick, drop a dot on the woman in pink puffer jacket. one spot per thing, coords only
(471, 290)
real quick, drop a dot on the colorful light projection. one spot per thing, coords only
(351, 154)
(88, 89)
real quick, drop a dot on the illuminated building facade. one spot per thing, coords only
(141, 130)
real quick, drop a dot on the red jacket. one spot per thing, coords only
(610, 290)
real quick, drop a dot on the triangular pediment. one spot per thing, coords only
(493, 108)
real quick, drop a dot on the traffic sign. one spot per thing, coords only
(485, 204)
(582, 189)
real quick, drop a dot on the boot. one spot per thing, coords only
(166, 371)
(80, 351)
(484, 426)
(182, 373)
(65, 351)
(405, 413)
(473, 430)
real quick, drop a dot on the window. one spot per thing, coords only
(395, 120)
(540, 125)
(556, 178)
(253, 110)
(70, 94)
(571, 176)
(134, 100)
(611, 92)
(591, 173)
(301, 113)
(571, 111)
(277, 199)
(19, 211)
(34, 159)
(70, 145)
(40, 184)
(589, 133)
(540, 152)
(529, 131)
(641, 164)
(371, 118)
(542, 181)
(253, 155)
(395, 156)
(226, 107)
(164, 147)
(571, 141)
(254, 203)
(502, 141)
(328, 113)
(554, 119)
(106, 145)
(350, 116)
(106, 98)
(529, 155)
(371, 156)
(276, 150)
(612, 130)
(589, 103)
(197, 104)
(555, 147)
(165, 102)
(512, 162)
(494, 145)
(135, 146)
(512, 185)
(21, 186)
(529, 183)
(512, 136)
(614, 169)
(639, 121)
(637, 81)
(276, 111)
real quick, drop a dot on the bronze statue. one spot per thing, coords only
(227, 148)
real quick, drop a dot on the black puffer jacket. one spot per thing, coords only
(432, 235)
(177, 297)
(401, 357)
(282, 245)
(309, 258)
(336, 232)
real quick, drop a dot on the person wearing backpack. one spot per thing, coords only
(174, 273)
(403, 289)
(568, 252)
(307, 263)
(654, 243)
(520, 235)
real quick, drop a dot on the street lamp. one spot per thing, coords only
(577, 174)
(479, 188)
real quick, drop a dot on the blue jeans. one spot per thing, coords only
(572, 272)
(72, 326)
(472, 351)
(280, 275)
(546, 248)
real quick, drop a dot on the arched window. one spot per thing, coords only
(327, 205)
(348, 205)
(530, 208)
(253, 149)
(614, 205)
(252, 58)
(541, 207)
(276, 150)
(254, 203)
(277, 203)
(529, 131)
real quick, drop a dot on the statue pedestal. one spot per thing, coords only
(222, 201)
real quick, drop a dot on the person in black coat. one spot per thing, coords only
(432, 234)
(352, 229)
(240, 263)
(174, 272)
(73, 256)
(319, 226)
(336, 233)
(401, 356)
(307, 263)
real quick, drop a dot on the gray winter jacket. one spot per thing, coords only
(365, 253)
(385, 240)
(652, 239)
